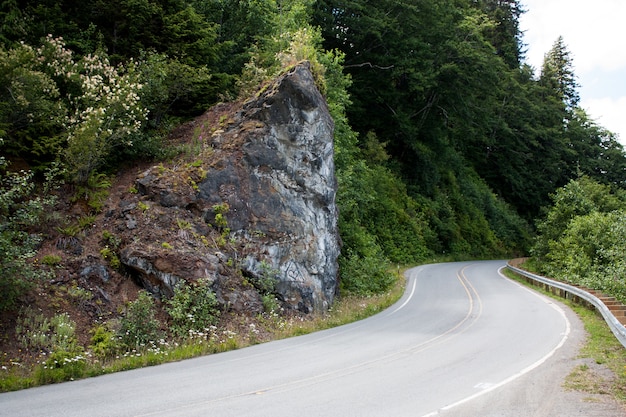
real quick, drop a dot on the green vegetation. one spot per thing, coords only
(63, 358)
(581, 238)
(136, 341)
(604, 349)
(139, 325)
(21, 210)
(109, 255)
(446, 143)
(193, 309)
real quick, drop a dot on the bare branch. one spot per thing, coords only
(369, 64)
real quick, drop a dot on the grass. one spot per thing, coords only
(584, 379)
(345, 310)
(604, 349)
(601, 347)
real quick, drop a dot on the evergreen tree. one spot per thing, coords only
(557, 74)
(506, 35)
(597, 152)
(438, 123)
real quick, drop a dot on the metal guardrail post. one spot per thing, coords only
(616, 327)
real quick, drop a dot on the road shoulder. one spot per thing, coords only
(543, 393)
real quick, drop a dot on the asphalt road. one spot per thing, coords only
(461, 333)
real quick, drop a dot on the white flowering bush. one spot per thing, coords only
(104, 105)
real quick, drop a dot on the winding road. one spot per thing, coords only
(461, 332)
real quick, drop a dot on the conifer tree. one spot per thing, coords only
(557, 74)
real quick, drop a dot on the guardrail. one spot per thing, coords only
(616, 327)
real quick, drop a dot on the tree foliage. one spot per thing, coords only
(581, 239)
(557, 74)
(446, 142)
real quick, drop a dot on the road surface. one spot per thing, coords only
(460, 333)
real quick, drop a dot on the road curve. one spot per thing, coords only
(460, 331)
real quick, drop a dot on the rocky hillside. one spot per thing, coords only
(248, 206)
(258, 202)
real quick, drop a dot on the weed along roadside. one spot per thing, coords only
(142, 344)
(602, 349)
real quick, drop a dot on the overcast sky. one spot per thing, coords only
(595, 34)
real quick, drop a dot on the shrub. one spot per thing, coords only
(364, 275)
(104, 343)
(32, 330)
(51, 260)
(578, 198)
(36, 332)
(20, 210)
(267, 280)
(220, 211)
(363, 266)
(192, 308)
(63, 336)
(61, 366)
(591, 253)
(139, 325)
(270, 303)
(581, 240)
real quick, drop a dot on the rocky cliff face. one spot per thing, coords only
(256, 207)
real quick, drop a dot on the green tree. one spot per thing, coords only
(32, 115)
(505, 35)
(580, 197)
(596, 151)
(557, 74)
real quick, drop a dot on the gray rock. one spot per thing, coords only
(95, 271)
(159, 271)
(281, 185)
(131, 222)
(272, 167)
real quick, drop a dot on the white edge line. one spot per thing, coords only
(407, 300)
(523, 371)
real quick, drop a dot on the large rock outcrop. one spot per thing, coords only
(260, 202)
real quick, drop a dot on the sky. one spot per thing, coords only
(595, 34)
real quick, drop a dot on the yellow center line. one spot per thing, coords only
(472, 295)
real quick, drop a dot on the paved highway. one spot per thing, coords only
(461, 331)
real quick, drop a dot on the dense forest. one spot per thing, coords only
(447, 146)
(447, 143)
